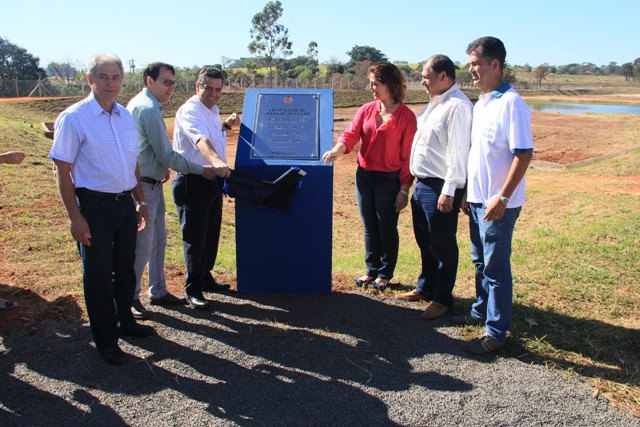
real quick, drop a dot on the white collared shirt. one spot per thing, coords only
(441, 144)
(193, 121)
(102, 147)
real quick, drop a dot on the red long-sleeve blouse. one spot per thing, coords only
(385, 148)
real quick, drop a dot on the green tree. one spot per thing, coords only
(611, 69)
(312, 55)
(626, 70)
(589, 68)
(270, 39)
(306, 75)
(366, 53)
(363, 55)
(636, 68)
(17, 63)
(334, 66)
(572, 69)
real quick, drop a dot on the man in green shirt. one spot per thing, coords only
(155, 160)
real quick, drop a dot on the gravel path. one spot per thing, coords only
(343, 359)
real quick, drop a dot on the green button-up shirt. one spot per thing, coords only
(156, 152)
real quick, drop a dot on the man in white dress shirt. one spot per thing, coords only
(439, 161)
(95, 151)
(200, 137)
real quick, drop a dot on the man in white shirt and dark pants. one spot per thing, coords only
(439, 158)
(200, 137)
(95, 151)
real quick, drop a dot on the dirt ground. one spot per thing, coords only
(560, 139)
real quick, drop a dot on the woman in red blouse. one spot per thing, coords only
(386, 127)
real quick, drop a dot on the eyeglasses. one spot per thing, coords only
(211, 88)
(168, 82)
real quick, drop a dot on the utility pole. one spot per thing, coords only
(132, 66)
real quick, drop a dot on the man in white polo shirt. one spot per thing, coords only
(501, 150)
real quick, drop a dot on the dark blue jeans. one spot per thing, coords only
(376, 193)
(491, 254)
(109, 279)
(435, 234)
(199, 204)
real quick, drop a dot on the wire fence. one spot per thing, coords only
(44, 87)
(56, 88)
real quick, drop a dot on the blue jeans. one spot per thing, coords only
(107, 265)
(199, 204)
(152, 243)
(491, 254)
(376, 193)
(435, 234)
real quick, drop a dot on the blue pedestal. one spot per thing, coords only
(276, 251)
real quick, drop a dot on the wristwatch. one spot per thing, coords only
(504, 199)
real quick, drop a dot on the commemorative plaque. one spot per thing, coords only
(286, 127)
(286, 250)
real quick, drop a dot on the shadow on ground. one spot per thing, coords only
(313, 356)
(256, 360)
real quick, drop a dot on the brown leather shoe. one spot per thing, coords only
(434, 310)
(411, 296)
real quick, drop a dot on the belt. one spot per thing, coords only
(430, 179)
(112, 196)
(150, 180)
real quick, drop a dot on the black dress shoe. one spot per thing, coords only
(199, 303)
(216, 287)
(113, 355)
(363, 283)
(138, 311)
(168, 299)
(133, 329)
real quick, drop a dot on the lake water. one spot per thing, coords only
(569, 108)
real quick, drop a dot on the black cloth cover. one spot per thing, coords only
(273, 194)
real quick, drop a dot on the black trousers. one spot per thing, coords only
(199, 204)
(109, 279)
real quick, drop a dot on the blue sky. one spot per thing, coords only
(189, 32)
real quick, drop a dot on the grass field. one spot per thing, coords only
(576, 256)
